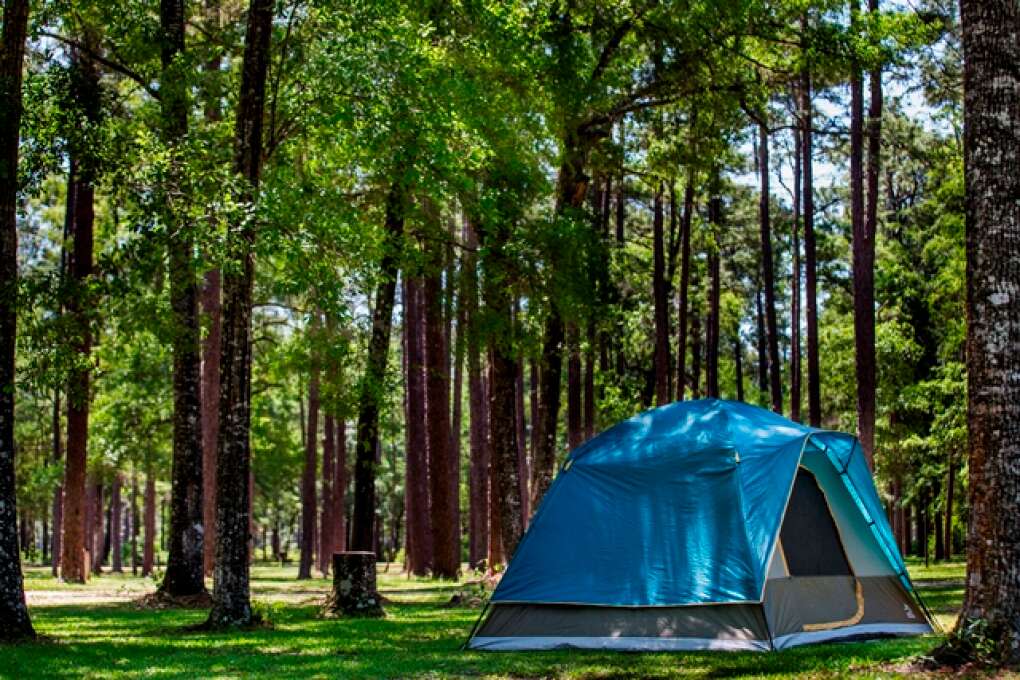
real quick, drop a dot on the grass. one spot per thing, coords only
(93, 631)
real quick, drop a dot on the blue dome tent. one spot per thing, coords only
(705, 524)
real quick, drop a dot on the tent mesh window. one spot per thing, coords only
(809, 536)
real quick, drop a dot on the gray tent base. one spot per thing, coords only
(795, 611)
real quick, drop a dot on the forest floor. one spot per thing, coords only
(95, 631)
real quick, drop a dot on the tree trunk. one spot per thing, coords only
(340, 488)
(810, 275)
(231, 593)
(950, 491)
(419, 524)
(308, 498)
(696, 351)
(795, 372)
(212, 308)
(768, 273)
(354, 586)
(185, 561)
(505, 485)
(210, 413)
(523, 469)
(738, 365)
(116, 563)
(75, 540)
(763, 355)
(478, 478)
(991, 46)
(574, 427)
(660, 302)
(685, 277)
(326, 518)
(58, 492)
(712, 331)
(14, 619)
(940, 547)
(374, 378)
(589, 383)
(863, 255)
(97, 529)
(548, 407)
(443, 469)
(149, 511)
(134, 522)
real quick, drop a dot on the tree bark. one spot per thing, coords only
(354, 586)
(149, 512)
(58, 492)
(950, 492)
(659, 301)
(340, 488)
(212, 308)
(14, 619)
(574, 427)
(82, 175)
(373, 380)
(685, 277)
(768, 272)
(505, 485)
(478, 479)
(795, 370)
(326, 518)
(116, 560)
(589, 384)
(523, 469)
(863, 263)
(738, 365)
(185, 561)
(714, 291)
(231, 593)
(991, 47)
(308, 498)
(865, 230)
(443, 469)
(810, 274)
(210, 413)
(419, 523)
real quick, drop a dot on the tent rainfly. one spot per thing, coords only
(705, 524)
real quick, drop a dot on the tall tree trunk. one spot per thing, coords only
(940, 547)
(308, 498)
(660, 302)
(589, 382)
(523, 469)
(231, 592)
(97, 529)
(950, 492)
(714, 290)
(82, 173)
(574, 426)
(185, 561)
(116, 563)
(58, 492)
(340, 488)
(738, 364)
(149, 512)
(991, 46)
(768, 271)
(478, 480)
(505, 486)
(810, 274)
(763, 355)
(865, 229)
(685, 277)
(696, 346)
(443, 470)
(210, 413)
(419, 524)
(374, 378)
(135, 521)
(863, 265)
(212, 308)
(326, 519)
(795, 372)
(548, 407)
(14, 619)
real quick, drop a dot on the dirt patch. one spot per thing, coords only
(162, 600)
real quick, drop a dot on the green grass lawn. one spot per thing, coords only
(94, 631)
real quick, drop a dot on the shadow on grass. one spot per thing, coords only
(414, 640)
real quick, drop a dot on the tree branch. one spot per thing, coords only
(108, 63)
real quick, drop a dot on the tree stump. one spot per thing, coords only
(354, 587)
